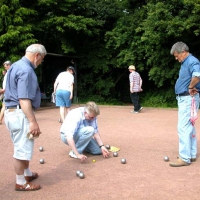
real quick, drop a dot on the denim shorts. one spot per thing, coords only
(63, 98)
(18, 126)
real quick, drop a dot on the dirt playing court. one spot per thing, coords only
(144, 139)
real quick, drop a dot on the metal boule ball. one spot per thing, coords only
(41, 149)
(41, 161)
(123, 160)
(107, 146)
(166, 158)
(81, 175)
(115, 154)
(78, 172)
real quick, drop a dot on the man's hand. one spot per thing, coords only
(105, 152)
(34, 129)
(81, 157)
(193, 91)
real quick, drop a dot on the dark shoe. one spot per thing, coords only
(27, 187)
(178, 163)
(30, 178)
(192, 159)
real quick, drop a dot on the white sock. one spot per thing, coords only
(27, 172)
(20, 179)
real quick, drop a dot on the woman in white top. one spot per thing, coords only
(63, 87)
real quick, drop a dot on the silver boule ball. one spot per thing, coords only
(78, 172)
(81, 175)
(115, 154)
(107, 146)
(123, 160)
(41, 149)
(166, 158)
(41, 161)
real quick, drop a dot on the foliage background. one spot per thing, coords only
(107, 36)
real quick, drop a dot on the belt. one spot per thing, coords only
(183, 94)
(13, 107)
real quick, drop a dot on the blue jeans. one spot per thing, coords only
(186, 131)
(135, 100)
(84, 141)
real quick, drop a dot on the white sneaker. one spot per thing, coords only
(140, 109)
(132, 111)
(72, 154)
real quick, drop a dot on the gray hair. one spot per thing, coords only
(91, 107)
(7, 63)
(179, 47)
(36, 48)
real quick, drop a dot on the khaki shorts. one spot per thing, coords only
(18, 126)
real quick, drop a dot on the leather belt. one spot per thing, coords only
(13, 107)
(183, 94)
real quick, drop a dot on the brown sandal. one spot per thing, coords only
(30, 178)
(27, 187)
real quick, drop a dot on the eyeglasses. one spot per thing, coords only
(41, 57)
(90, 117)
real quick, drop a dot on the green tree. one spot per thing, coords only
(16, 30)
(144, 37)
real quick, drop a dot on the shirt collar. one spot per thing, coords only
(28, 61)
(186, 58)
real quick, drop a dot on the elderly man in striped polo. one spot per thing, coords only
(135, 88)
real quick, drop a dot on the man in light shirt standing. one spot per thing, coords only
(63, 88)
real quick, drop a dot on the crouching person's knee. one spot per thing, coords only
(90, 130)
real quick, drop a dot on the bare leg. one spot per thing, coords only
(67, 110)
(20, 166)
(62, 113)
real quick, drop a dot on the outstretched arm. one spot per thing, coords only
(105, 152)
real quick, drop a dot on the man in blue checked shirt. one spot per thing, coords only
(187, 86)
(22, 96)
(80, 131)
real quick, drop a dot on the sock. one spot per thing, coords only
(27, 172)
(20, 179)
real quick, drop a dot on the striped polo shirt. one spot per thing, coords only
(135, 78)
